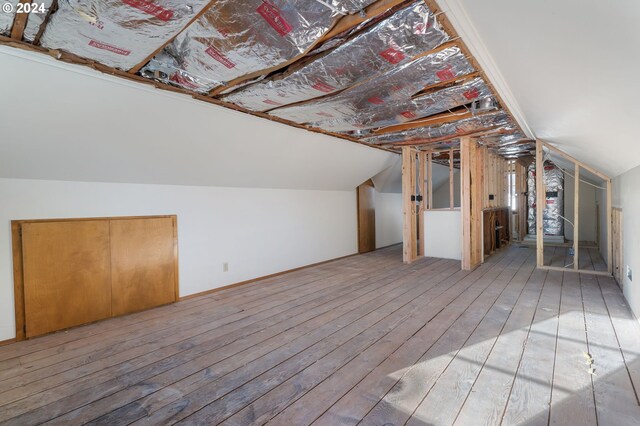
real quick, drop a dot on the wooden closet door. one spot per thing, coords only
(66, 274)
(143, 263)
(366, 217)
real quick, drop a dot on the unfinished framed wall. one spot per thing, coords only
(472, 171)
(496, 214)
(409, 207)
(441, 235)
(541, 196)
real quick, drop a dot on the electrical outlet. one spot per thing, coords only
(225, 267)
(629, 273)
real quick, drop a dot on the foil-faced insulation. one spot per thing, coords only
(516, 150)
(117, 33)
(235, 38)
(35, 21)
(6, 19)
(553, 223)
(396, 85)
(493, 120)
(399, 112)
(394, 40)
(452, 143)
(502, 140)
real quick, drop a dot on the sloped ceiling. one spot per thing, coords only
(390, 179)
(568, 69)
(65, 122)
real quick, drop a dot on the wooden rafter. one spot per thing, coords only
(449, 83)
(20, 23)
(475, 133)
(52, 9)
(447, 117)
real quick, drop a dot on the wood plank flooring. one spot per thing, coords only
(361, 340)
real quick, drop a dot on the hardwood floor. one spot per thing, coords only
(361, 340)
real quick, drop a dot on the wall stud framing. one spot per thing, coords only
(609, 229)
(540, 203)
(451, 194)
(421, 202)
(409, 234)
(471, 203)
(576, 218)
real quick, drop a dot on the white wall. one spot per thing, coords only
(257, 231)
(588, 219)
(388, 218)
(443, 234)
(626, 195)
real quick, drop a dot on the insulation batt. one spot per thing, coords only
(510, 150)
(117, 33)
(234, 38)
(35, 21)
(553, 224)
(502, 140)
(394, 40)
(6, 19)
(392, 113)
(399, 84)
(498, 119)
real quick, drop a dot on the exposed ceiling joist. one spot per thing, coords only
(475, 134)
(20, 22)
(447, 117)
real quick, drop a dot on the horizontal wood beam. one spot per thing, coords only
(455, 82)
(417, 142)
(443, 118)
